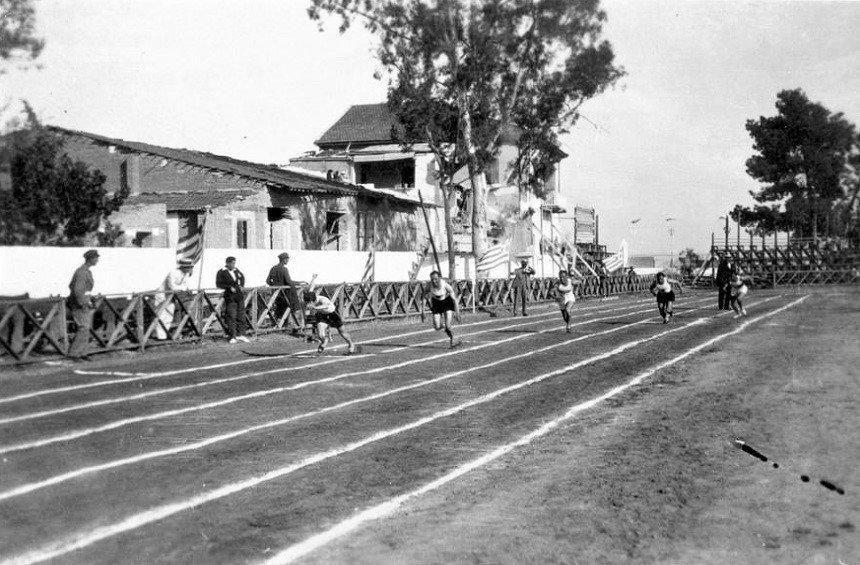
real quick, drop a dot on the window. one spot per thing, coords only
(242, 234)
(365, 231)
(332, 230)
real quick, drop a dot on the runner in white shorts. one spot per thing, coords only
(566, 297)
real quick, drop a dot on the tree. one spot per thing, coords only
(689, 262)
(804, 158)
(490, 62)
(53, 200)
(18, 41)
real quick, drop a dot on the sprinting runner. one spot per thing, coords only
(443, 303)
(662, 289)
(565, 296)
(737, 291)
(325, 315)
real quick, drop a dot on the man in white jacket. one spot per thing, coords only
(175, 281)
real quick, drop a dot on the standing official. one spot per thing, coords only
(279, 275)
(232, 282)
(522, 285)
(81, 306)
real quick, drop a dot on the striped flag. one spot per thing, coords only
(189, 248)
(495, 256)
(617, 260)
(416, 264)
(369, 268)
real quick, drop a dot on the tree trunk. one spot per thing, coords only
(449, 231)
(479, 183)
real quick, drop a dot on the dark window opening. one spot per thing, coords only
(332, 230)
(242, 234)
(365, 231)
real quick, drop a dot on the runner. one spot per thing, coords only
(662, 289)
(737, 291)
(565, 296)
(325, 316)
(443, 303)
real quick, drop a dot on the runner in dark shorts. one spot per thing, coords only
(443, 305)
(325, 313)
(662, 289)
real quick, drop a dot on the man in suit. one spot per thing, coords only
(232, 282)
(81, 306)
(522, 285)
(279, 275)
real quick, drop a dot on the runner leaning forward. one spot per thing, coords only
(325, 314)
(443, 303)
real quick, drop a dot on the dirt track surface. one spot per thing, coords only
(209, 456)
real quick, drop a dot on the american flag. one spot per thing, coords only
(618, 260)
(495, 256)
(190, 247)
(369, 268)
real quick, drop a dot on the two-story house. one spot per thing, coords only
(361, 148)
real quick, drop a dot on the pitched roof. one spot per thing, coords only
(362, 123)
(198, 200)
(289, 179)
(265, 173)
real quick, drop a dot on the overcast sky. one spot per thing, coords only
(258, 81)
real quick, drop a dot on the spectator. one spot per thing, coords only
(722, 279)
(279, 276)
(81, 306)
(175, 281)
(232, 282)
(522, 285)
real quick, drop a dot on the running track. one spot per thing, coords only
(212, 456)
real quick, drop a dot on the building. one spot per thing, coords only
(251, 205)
(361, 148)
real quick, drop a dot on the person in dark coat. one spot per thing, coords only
(522, 285)
(232, 282)
(279, 275)
(81, 306)
(723, 278)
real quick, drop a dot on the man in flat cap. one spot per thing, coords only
(81, 306)
(279, 275)
(232, 282)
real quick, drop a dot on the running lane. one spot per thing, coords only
(429, 449)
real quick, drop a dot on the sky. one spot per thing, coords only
(259, 81)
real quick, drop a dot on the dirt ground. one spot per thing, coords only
(655, 476)
(207, 455)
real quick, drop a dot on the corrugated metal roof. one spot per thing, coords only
(276, 177)
(254, 171)
(175, 201)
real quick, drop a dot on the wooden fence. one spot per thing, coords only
(38, 329)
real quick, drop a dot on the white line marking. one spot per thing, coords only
(146, 376)
(30, 487)
(168, 390)
(264, 392)
(390, 506)
(135, 521)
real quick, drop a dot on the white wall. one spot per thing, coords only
(43, 271)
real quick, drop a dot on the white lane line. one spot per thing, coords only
(130, 397)
(390, 506)
(75, 434)
(57, 479)
(134, 377)
(261, 359)
(83, 539)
